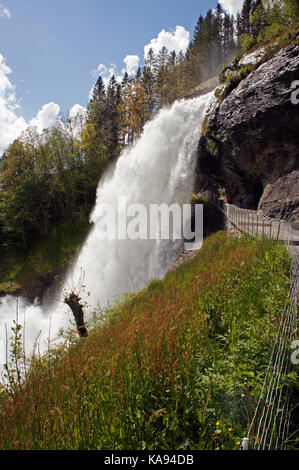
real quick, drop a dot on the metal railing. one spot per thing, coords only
(269, 428)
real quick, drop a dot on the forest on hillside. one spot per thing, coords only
(49, 177)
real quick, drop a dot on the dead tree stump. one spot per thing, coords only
(73, 301)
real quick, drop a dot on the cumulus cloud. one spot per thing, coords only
(232, 6)
(132, 64)
(77, 119)
(46, 117)
(106, 73)
(177, 40)
(11, 125)
(77, 111)
(4, 11)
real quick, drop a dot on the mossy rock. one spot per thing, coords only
(213, 147)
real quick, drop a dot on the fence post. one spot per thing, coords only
(278, 230)
(270, 229)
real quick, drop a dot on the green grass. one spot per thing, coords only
(177, 365)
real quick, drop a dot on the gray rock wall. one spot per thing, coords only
(250, 136)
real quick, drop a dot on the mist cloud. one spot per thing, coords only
(232, 6)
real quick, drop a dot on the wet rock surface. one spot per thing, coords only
(249, 143)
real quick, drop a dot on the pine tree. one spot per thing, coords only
(228, 37)
(218, 37)
(258, 19)
(96, 106)
(239, 27)
(148, 82)
(99, 89)
(246, 11)
(151, 60)
(111, 126)
(171, 59)
(138, 74)
(125, 79)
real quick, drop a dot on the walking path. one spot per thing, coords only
(270, 425)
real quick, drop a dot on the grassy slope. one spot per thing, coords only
(177, 365)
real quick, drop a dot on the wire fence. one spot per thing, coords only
(270, 425)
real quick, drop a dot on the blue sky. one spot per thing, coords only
(51, 47)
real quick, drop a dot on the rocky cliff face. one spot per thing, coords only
(249, 143)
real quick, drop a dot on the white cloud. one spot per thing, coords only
(4, 11)
(177, 40)
(100, 70)
(132, 64)
(232, 6)
(106, 73)
(77, 111)
(46, 117)
(77, 119)
(11, 125)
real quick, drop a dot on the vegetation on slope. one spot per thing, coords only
(30, 273)
(178, 365)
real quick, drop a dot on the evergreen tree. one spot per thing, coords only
(151, 60)
(138, 74)
(228, 37)
(246, 11)
(111, 125)
(239, 26)
(125, 79)
(171, 60)
(218, 37)
(96, 106)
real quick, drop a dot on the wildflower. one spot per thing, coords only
(238, 443)
(218, 423)
(230, 429)
(218, 431)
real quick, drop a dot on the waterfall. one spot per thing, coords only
(158, 168)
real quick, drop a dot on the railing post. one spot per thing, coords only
(278, 230)
(248, 226)
(270, 229)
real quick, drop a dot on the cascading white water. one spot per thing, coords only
(159, 168)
